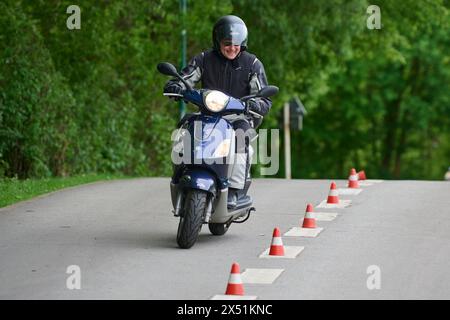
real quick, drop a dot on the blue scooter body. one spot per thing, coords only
(199, 168)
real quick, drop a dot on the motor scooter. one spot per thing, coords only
(203, 153)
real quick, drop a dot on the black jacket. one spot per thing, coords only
(240, 77)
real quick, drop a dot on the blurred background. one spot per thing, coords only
(90, 100)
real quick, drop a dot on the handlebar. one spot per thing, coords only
(172, 95)
(246, 110)
(257, 115)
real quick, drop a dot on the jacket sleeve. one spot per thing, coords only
(258, 80)
(192, 73)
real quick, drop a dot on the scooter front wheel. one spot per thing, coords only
(191, 223)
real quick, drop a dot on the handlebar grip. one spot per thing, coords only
(172, 95)
(255, 114)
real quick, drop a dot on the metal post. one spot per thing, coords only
(287, 141)
(183, 9)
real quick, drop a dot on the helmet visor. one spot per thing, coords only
(232, 34)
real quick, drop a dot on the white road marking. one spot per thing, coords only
(325, 216)
(349, 191)
(303, 232)
(289, 253)
(340, 205)
(365, 184)
(319, 216)
(368, 183)
(260, 276)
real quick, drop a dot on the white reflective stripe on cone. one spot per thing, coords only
(309, 215)
(277, 241)
(353, 178)
(333, 193)
(235, 278)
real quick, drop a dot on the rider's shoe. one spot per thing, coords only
(232, 198)
(242, 197)
(238, 198)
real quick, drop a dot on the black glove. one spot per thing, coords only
(254, 106)
(173, 87)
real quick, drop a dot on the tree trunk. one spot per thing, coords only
(401, 145)
(391, 124)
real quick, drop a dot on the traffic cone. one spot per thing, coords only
(276, 248)
(333, 195)
(309, 221)
(353, 179)
(362, 175)
(235, 286)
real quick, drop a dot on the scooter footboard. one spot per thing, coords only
(221, 213)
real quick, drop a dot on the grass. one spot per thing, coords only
(13, 190)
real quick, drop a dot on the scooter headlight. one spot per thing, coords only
(223, 149)
(215, 101)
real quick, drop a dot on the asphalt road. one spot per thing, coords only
(121, 234)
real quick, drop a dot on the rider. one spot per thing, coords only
(230, 68)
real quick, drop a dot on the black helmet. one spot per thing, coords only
(232, 28)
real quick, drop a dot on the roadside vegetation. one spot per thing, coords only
(13, 190)
(89, 101)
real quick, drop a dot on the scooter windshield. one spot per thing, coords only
(235, 105)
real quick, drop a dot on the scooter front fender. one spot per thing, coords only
(199, 179)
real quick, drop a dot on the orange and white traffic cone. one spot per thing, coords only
(353, 179)
(333, 195)
(276, 248)
(235, 286)
(309, 221)
(362, 175)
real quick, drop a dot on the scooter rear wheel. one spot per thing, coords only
(191, 222)
(218, 229)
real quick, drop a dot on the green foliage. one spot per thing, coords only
(89, 100)
(35, 102)
(386, 111)
(376, 99)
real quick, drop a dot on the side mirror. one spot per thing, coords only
(168, 69)
(268, 91)
(264, 93)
